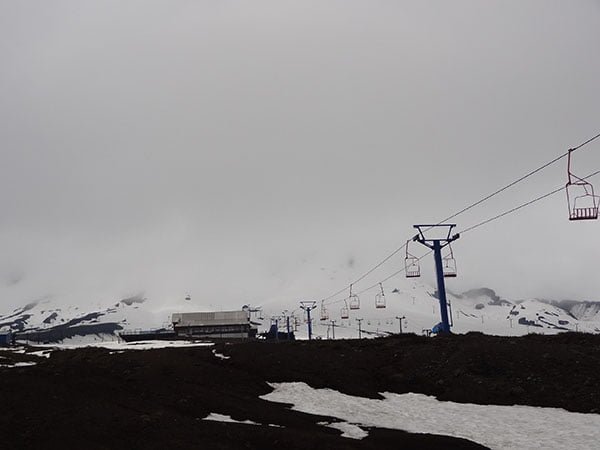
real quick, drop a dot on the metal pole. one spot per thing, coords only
(309, 324)
(400, 322)
(359, 328)
(287, 319)
(437, 255)
(333, 329)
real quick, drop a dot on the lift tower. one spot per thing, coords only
(439, 236)
(308, 306)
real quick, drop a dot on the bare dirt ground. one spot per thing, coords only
(94, 399)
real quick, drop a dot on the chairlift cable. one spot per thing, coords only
(516, 208)
(369, 272)
(467, 208)
(518, 180)
(389, 277)
(585, 143)
(466, 230)
(505, 213)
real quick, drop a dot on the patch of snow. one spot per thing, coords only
(224, 418)
(498, 427)
(348, 430)
(41, 353)
(15, 349)
(220, 355)
(139, 345)
(18, 364)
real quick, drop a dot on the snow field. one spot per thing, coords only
(498, 427)
(119, 346)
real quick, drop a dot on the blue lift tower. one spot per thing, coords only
(438, 237)
(308, 306)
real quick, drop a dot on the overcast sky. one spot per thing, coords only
(271, 151)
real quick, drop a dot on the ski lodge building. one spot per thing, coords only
(213, 325)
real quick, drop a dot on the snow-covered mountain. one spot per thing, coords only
(413, 303)
(475, 310)
(582, 310)
(51, 319)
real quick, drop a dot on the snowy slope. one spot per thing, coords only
(417, 302)
(476, 310)
(585, 311)
(66, 322)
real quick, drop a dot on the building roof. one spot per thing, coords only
(210, 318)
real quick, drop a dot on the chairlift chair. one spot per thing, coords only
(344, 313)
(411, 265)
(581, 200)
(449, 264)
(353, 300)
(380, 298)
(324, 312)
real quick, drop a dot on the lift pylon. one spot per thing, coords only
(436, 244)
(307, 306)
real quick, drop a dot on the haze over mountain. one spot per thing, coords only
(274, 151)
(410, 302)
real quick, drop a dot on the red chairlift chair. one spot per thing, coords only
(411, 265)
(380, 298)
(449, 264)
(581, 200)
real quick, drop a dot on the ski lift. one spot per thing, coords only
(324, 313)
(354, 300)
(188, 297)
(411, 265)
(582, 203)
(344, 313)
(380, 298)
(449, 264)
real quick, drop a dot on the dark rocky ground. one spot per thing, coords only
(90, 398)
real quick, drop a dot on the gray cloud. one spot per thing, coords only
(233, 149)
